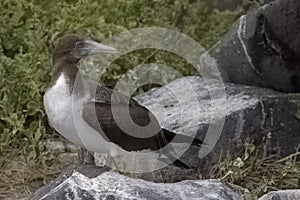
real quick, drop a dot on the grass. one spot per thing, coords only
(258, 173)
(253, 173)
(22, 177)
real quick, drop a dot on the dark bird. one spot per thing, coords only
(70, 110)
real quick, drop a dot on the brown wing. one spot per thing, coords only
(104, 94)
(104, 122)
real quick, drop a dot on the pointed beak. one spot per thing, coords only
(95, 47)
(90, 47)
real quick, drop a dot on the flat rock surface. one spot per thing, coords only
(113, 186)
(184, 106)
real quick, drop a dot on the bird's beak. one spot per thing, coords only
(96, 47)
(90, 47)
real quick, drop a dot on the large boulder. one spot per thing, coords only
(250, 113)
(263, 48)
(113, 186)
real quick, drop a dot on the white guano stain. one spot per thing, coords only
(264, 115)
(240, 126)
(242, 30)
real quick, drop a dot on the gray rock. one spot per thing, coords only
(263, 48)
(113, 186)
(90, 171)
(251, 112)
(282, 195)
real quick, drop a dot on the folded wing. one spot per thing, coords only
(104, 122)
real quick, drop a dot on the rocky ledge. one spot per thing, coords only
(113, 186)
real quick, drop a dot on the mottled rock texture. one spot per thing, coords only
(282, 195)
(113, 186)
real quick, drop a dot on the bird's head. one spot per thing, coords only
(72, 48)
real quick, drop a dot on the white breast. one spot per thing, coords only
(64, 114)
(58, 106)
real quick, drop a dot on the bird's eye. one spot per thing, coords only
(80, 45)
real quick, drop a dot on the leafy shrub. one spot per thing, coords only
(29, 28)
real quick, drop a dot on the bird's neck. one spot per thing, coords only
(72, 76)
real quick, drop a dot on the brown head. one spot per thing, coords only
(69, 50)
(72, 48)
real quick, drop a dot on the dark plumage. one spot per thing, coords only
(66, 56)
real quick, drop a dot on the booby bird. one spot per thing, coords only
(108, 137)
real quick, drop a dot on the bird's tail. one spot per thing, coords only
(170, 136)
(178, 138)
(175, 161)
(180, 164)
